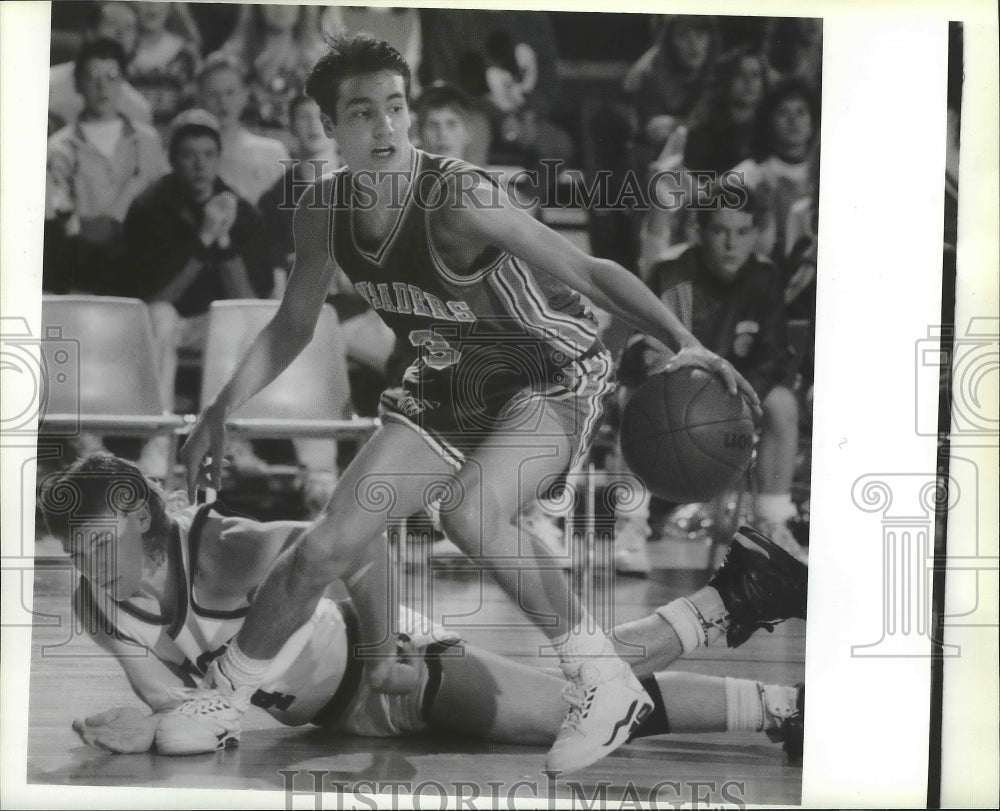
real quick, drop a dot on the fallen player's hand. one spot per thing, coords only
(395, 675)
(700, 357)
(125, 730)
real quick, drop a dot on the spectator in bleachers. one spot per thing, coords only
(164, 64)
(731, 300)
(314, 154)
(523, 83)
(725, 137)
(190, 239)
(798, 254)
(250, 163)
(450, 122)
(109, 20)
(669, 84)
(95, 169)
(795, 49)
(507, 61)
(278, 44)
(215, 23)
(799, 263)
(788, 123)
(443, 121)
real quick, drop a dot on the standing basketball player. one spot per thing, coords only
(504, 398)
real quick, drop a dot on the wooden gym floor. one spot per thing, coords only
(70, 677)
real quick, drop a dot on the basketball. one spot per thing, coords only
(686, 436)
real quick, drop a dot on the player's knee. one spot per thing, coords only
(781, 411)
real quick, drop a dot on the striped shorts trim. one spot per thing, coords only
(577, 398)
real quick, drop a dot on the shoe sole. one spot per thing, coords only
(637, 712)
(186, 746)
(754, 541)
(180, 735)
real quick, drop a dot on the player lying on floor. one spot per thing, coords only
(165, 592)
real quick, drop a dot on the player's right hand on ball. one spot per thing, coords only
(700, 357)
(202, 452)
(125, 730)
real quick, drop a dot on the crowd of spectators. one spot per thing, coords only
(179, 135)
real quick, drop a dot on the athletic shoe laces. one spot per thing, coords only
(205, 705)
(579, 698)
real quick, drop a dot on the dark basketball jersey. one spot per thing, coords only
(489, 328)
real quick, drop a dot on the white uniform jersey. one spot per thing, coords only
(311, 678)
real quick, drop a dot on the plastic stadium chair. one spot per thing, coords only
(100, 370)
(311, 398)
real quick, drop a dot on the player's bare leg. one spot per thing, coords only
(488, 696)
(506, 472)
(389, 475)
(483, 695)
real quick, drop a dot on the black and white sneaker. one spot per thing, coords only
(606, 703)
(760, 584)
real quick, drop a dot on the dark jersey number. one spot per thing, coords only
(439, 354)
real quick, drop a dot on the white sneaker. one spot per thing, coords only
(606, 703)
(206, 722)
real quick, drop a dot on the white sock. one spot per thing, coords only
(240, 669)
(755, 707)
(774, 507)
(583, 643)
(779, 703)
(744, 705)
(698, 619)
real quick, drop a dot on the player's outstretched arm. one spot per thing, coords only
(158, 685)
(272, 351)
(607, 284)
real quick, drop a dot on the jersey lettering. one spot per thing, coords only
(387, 305)
(410, 299)
(460, 311)
(410, 285)
(402, 297)
(419, 302)
(437, 308)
